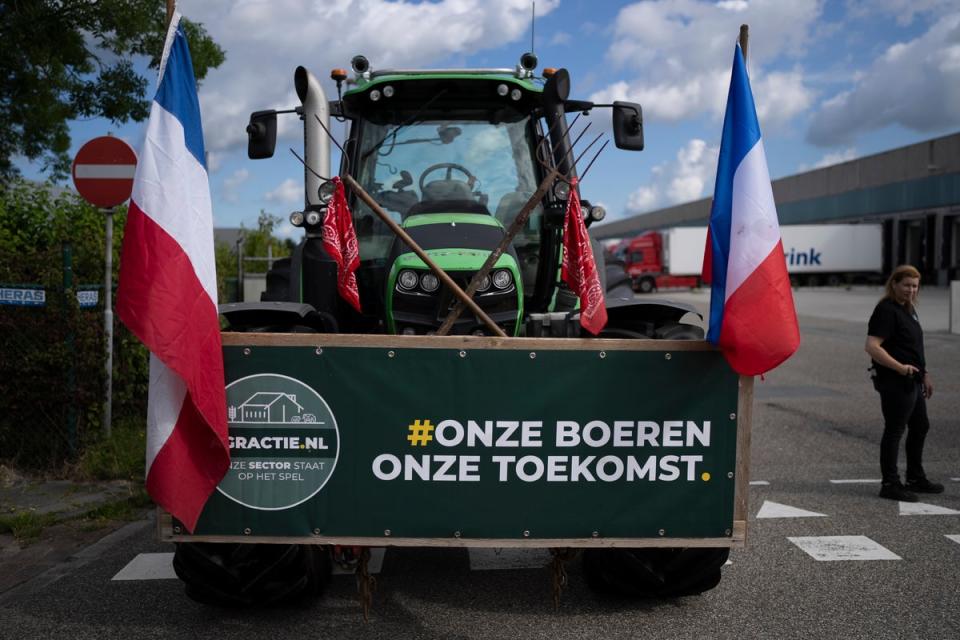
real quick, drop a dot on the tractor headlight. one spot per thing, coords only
(375, 95)
(296, 218)
(388, 91)
(561, 190)
(484, 284)
(313, 218)
(407, 279)
(516, 94)
(429, 282)
(502, 90)
(502, 279)
(326, 191)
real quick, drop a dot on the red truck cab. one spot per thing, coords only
(644, 258)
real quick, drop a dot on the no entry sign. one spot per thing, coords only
(103, 171)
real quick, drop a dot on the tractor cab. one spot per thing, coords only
(452, 156)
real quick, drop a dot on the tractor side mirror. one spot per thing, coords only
(628, 126)
(262, 134)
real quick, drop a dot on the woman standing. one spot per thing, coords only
(895, 343)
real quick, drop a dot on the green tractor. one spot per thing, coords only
(451, 156)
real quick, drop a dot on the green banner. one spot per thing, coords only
(482, 443)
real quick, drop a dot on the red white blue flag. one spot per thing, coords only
(752, 316)
(167, 294)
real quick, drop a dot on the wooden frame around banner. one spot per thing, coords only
(168, 532)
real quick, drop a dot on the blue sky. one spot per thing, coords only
(832, 80)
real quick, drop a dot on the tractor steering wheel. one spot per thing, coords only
(449, 166)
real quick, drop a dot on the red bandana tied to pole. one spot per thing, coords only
(340, 241)
(579, 270)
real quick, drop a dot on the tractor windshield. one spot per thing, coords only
(433, 166)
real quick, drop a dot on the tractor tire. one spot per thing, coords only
(278, 282)
(251, 575)
(646, 285)
(654, 573)
(679, 331)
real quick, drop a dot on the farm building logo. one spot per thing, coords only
(283, 439)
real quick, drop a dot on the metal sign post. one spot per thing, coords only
(103, 173)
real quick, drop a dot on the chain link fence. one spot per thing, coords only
(52, 367)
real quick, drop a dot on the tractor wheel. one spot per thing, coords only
(654, 573)
(646, 285)
(278, 282)
(679, 331)
(247, 575)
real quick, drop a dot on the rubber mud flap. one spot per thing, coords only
(251, 575)
(653, 572)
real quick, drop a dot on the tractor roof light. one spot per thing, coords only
(388, 91)
(374, 95)
(338, 75)
(407, 279)
(429, 282)
(549, 71)
(296, 218)
(528, 61)
(360, 64)
(598, 213)
(516, 94)
(502, 90)
(502, 279)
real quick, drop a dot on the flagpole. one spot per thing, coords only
(744, 36)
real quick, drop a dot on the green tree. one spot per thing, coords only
(260, 242)
(67, 59)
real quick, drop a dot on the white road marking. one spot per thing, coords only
(777, 510)
(483, 559)
(148, 566)
(759, 483)
(830, 548)
(924, 509)
(857, 481)
(374, 564)
(955, 537)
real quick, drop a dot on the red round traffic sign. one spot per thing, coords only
(103, 171)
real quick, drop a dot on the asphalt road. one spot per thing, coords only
(816, 419)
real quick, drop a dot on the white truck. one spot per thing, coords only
(830, 254)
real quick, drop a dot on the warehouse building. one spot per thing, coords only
(914, 191)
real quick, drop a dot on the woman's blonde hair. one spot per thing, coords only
(901, 272)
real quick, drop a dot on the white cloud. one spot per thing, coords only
(679, 53)
(913, 84)
(266, 40)
(561, 38)
(688, 177)
(287, 192)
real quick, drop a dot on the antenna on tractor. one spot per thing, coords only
(533, 14)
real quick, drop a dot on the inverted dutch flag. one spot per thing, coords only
(167, 294)
(752, 316)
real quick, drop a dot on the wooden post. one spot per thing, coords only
(744, 37)
(171, 7)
